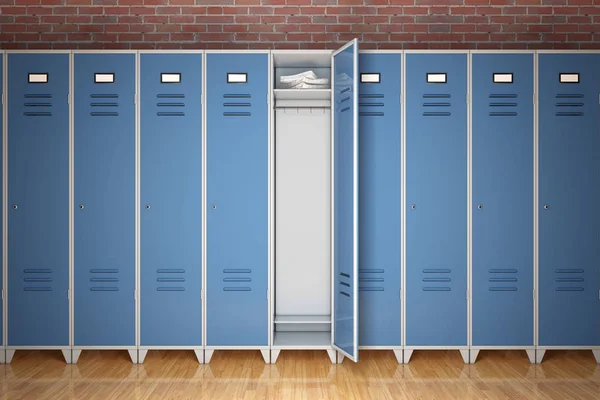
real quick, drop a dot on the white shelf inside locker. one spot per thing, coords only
(302, 94)
(302, 319)
(299, 340)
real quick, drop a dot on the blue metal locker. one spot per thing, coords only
(237, 199)
(379, 213)
(345, 195)
(38, 198)
(436, 199)
(171, 201)
(569, 194)
(1, 190)
(104, 199)
(502, 208)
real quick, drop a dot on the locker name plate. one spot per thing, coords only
(37, 78)
(503, 78)
(436, 78)
(170, 77)
(370, 78)
(104, 78)
(569, 78)
(237, 78)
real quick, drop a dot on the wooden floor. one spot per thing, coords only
(300, 375)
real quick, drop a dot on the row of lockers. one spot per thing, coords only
(454, 173)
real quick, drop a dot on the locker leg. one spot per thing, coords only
(596, 355)
(539, 356)
(75, 355)
(465, 355)
(332, 355)
(399, 355)
(275, 355)
(142, 356)
(340, 358)
(208, 355)
(133, 354)
(68, 356)
(9, 356)
(473, 356)
(406, 356)
(2, 356)
(266, 354)
(199, 355)
(531, 355)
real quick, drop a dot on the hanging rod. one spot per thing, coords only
(306, 107)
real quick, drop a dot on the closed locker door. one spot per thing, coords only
(502, 207)
(379, 200)
(569, 194)
(436, 199)
(171, 201)
(237, 199)
(104, 199)
(38, 199)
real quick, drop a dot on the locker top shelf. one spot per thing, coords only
(302, 94)
(302, 319)
(302, 59)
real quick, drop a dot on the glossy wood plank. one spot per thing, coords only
(301, 375)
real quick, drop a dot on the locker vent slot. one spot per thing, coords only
(237, 114)
(98, 281)
(347, 89)
(104, 114)
(170, 114)
(561, 279)
(503, 104)
(436, 104)
(502, 96)
(502, 289)
(37, 114)
(371, 96)
(371, 104)
(436, 96)
(371, 114)
(104, 104)
(345, 109)
(371, 276)
(345, 284)
(503, 114)
(345, 99)
(227, 105)
(569, 104)
(170, 104)
(40, 276)
(170, 96)
(569, 114)
(503, 271)
(440, 277)
(173, 275)
(503, 279)
(38, 96)
(237, 279)
(569, 96)
(104, 96)
(237, 96)
(32, 109)
(494, 278)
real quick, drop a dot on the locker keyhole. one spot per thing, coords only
(413, 206)
(546, 206)
(214, 206)
(81, 206)
(15, 206)
(147, 206)
(480, 206)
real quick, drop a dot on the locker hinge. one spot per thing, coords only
(2, 294)
(467, 98)
(3, 98)
(202, 98)
(134, 294)
(598, 98)
(534, 294)
(135, 98)
(267, 294)
(69, 98)
(598, 295)
(467, 293)
(201, 295)
(268, 98)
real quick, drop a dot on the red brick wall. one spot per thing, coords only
(215, 24)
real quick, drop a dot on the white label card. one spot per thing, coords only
(237, 78)
(369, 78)
(436, 78)
(104, 78)
(503, 78)
(38, 78)
(170, 78)
(569, 78)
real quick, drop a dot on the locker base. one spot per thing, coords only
(464, 352)
(541, 351)
(143, 352)
(264, 351)
(398, 352)
(10, 353)
(333, 355)
(76, 352)
(474, 352)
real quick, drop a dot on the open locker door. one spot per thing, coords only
(345, 199)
